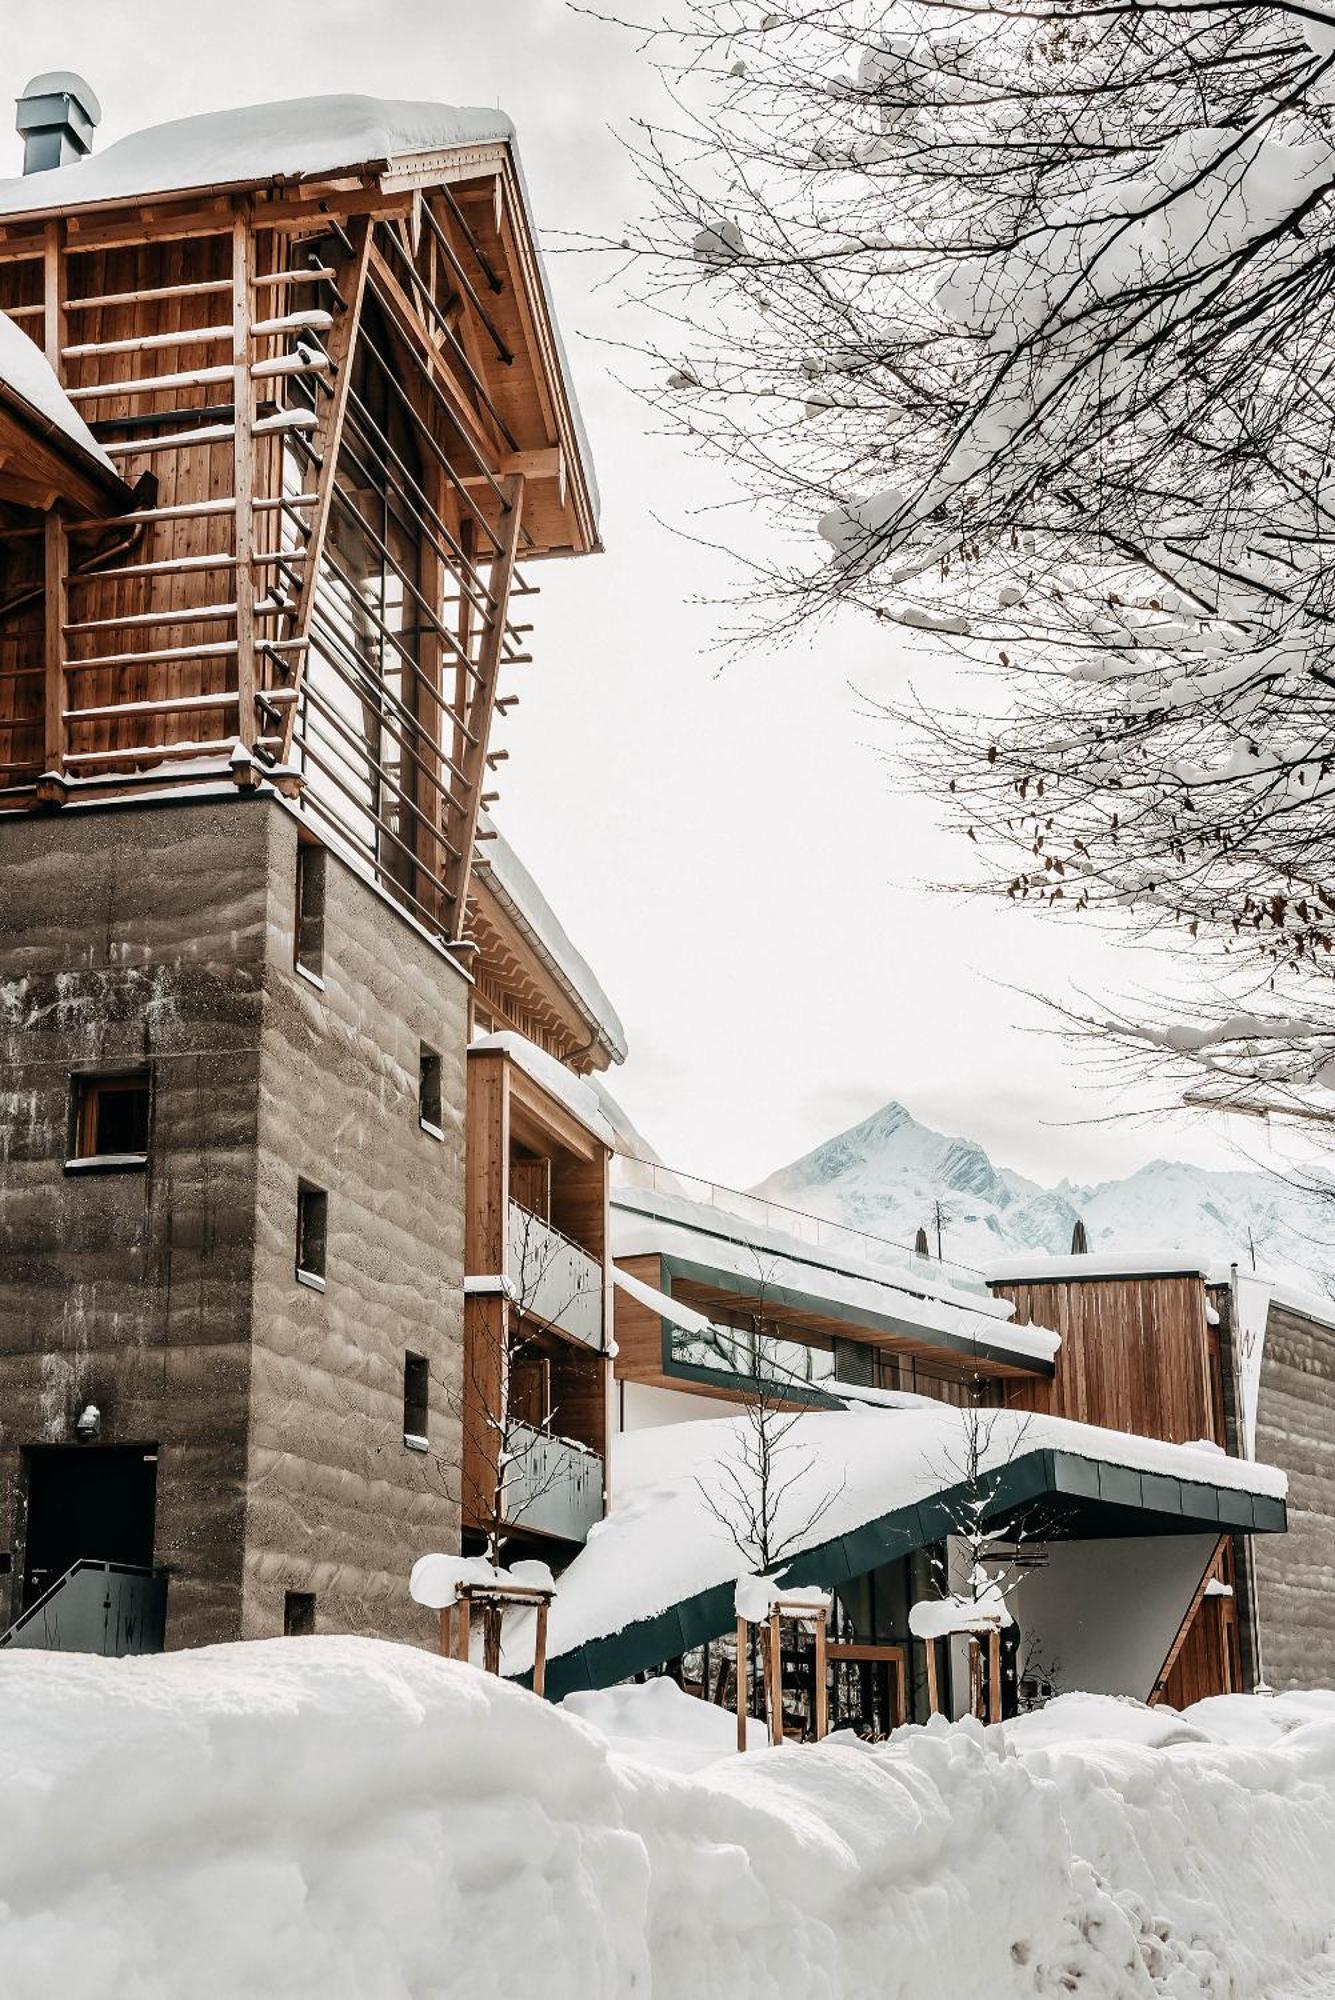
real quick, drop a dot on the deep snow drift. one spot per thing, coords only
(339, 1818)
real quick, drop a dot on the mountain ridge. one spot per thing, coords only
(886, 1174)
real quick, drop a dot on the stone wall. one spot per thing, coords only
(127, 937)
(1295, 1573)
(338, 1504)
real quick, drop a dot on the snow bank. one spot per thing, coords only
(355, 1821)
(655, 1722)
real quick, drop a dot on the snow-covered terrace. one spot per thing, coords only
(864, 1486)
(901, 1299)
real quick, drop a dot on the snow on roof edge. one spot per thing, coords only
(1042, 1266)
(291, 139)
(864, 1288)
(497, 859)
(27, 374)
(552, 1076)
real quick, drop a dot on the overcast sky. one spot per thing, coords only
(721, 836)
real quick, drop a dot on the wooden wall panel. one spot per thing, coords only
(639, 1332)
(1135, 1354)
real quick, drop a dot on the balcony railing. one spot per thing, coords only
(552, 1485)
(96, 1607)
(904, 1266)
(554, 1279)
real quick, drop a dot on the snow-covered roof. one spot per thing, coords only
(521, 897)
(657, 1222)
(559, 1082)
(1041, 1266)
(663, 1541)
(27, 375)
(658, 1302)
(296, 138)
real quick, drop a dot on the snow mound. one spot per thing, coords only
(357, 1821)
(1105, 1718)
(657, 1723)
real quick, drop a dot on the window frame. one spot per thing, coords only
(87, 1088)
(309, 1274)
(416, 1374)
(312, 874)
(429, 1062)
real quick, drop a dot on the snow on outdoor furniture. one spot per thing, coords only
(978, 1616)
(761, 1601)
(454, 1584)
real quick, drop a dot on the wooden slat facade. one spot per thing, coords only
(343, 414)
(1137, 1355)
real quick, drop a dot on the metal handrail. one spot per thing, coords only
(818, 1231)
(84, 1562)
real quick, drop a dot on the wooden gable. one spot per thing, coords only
(344, 407)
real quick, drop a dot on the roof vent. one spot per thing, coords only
(56, 116)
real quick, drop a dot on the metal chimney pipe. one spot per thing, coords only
(55, 119)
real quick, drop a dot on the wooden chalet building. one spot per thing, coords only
(1119, 1494)
(286, 429)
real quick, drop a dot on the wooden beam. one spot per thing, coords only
(461, 826)
(933, 1692)
(774, 1654)
(1183, 1632)
(743, 1678)
(55, 738)
(243, 460)
(326, 439)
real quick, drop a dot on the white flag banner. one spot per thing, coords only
(1251, 1310)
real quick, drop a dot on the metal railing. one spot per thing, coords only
(552, 1485)
(96, 1607)
(902, 1263)
(554, 1279)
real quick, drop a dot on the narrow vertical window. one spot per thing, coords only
(312, 1233)
(298, 1614)
(416, 1392)
(428, 1092)
(311, 872)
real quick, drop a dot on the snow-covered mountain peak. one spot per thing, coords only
(889, 1173)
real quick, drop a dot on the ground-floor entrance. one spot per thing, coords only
(86, 1502)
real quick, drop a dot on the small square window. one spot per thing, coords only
(312, 1233)
(428, 1091)
(312, 868)
(416, 1399)
(109, 1118)
(298, 1614)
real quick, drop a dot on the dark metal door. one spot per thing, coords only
(87, 1500)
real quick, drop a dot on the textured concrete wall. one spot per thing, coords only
(168, 1296)
(338, 1505)
(1295, 1573)
(130, 936)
